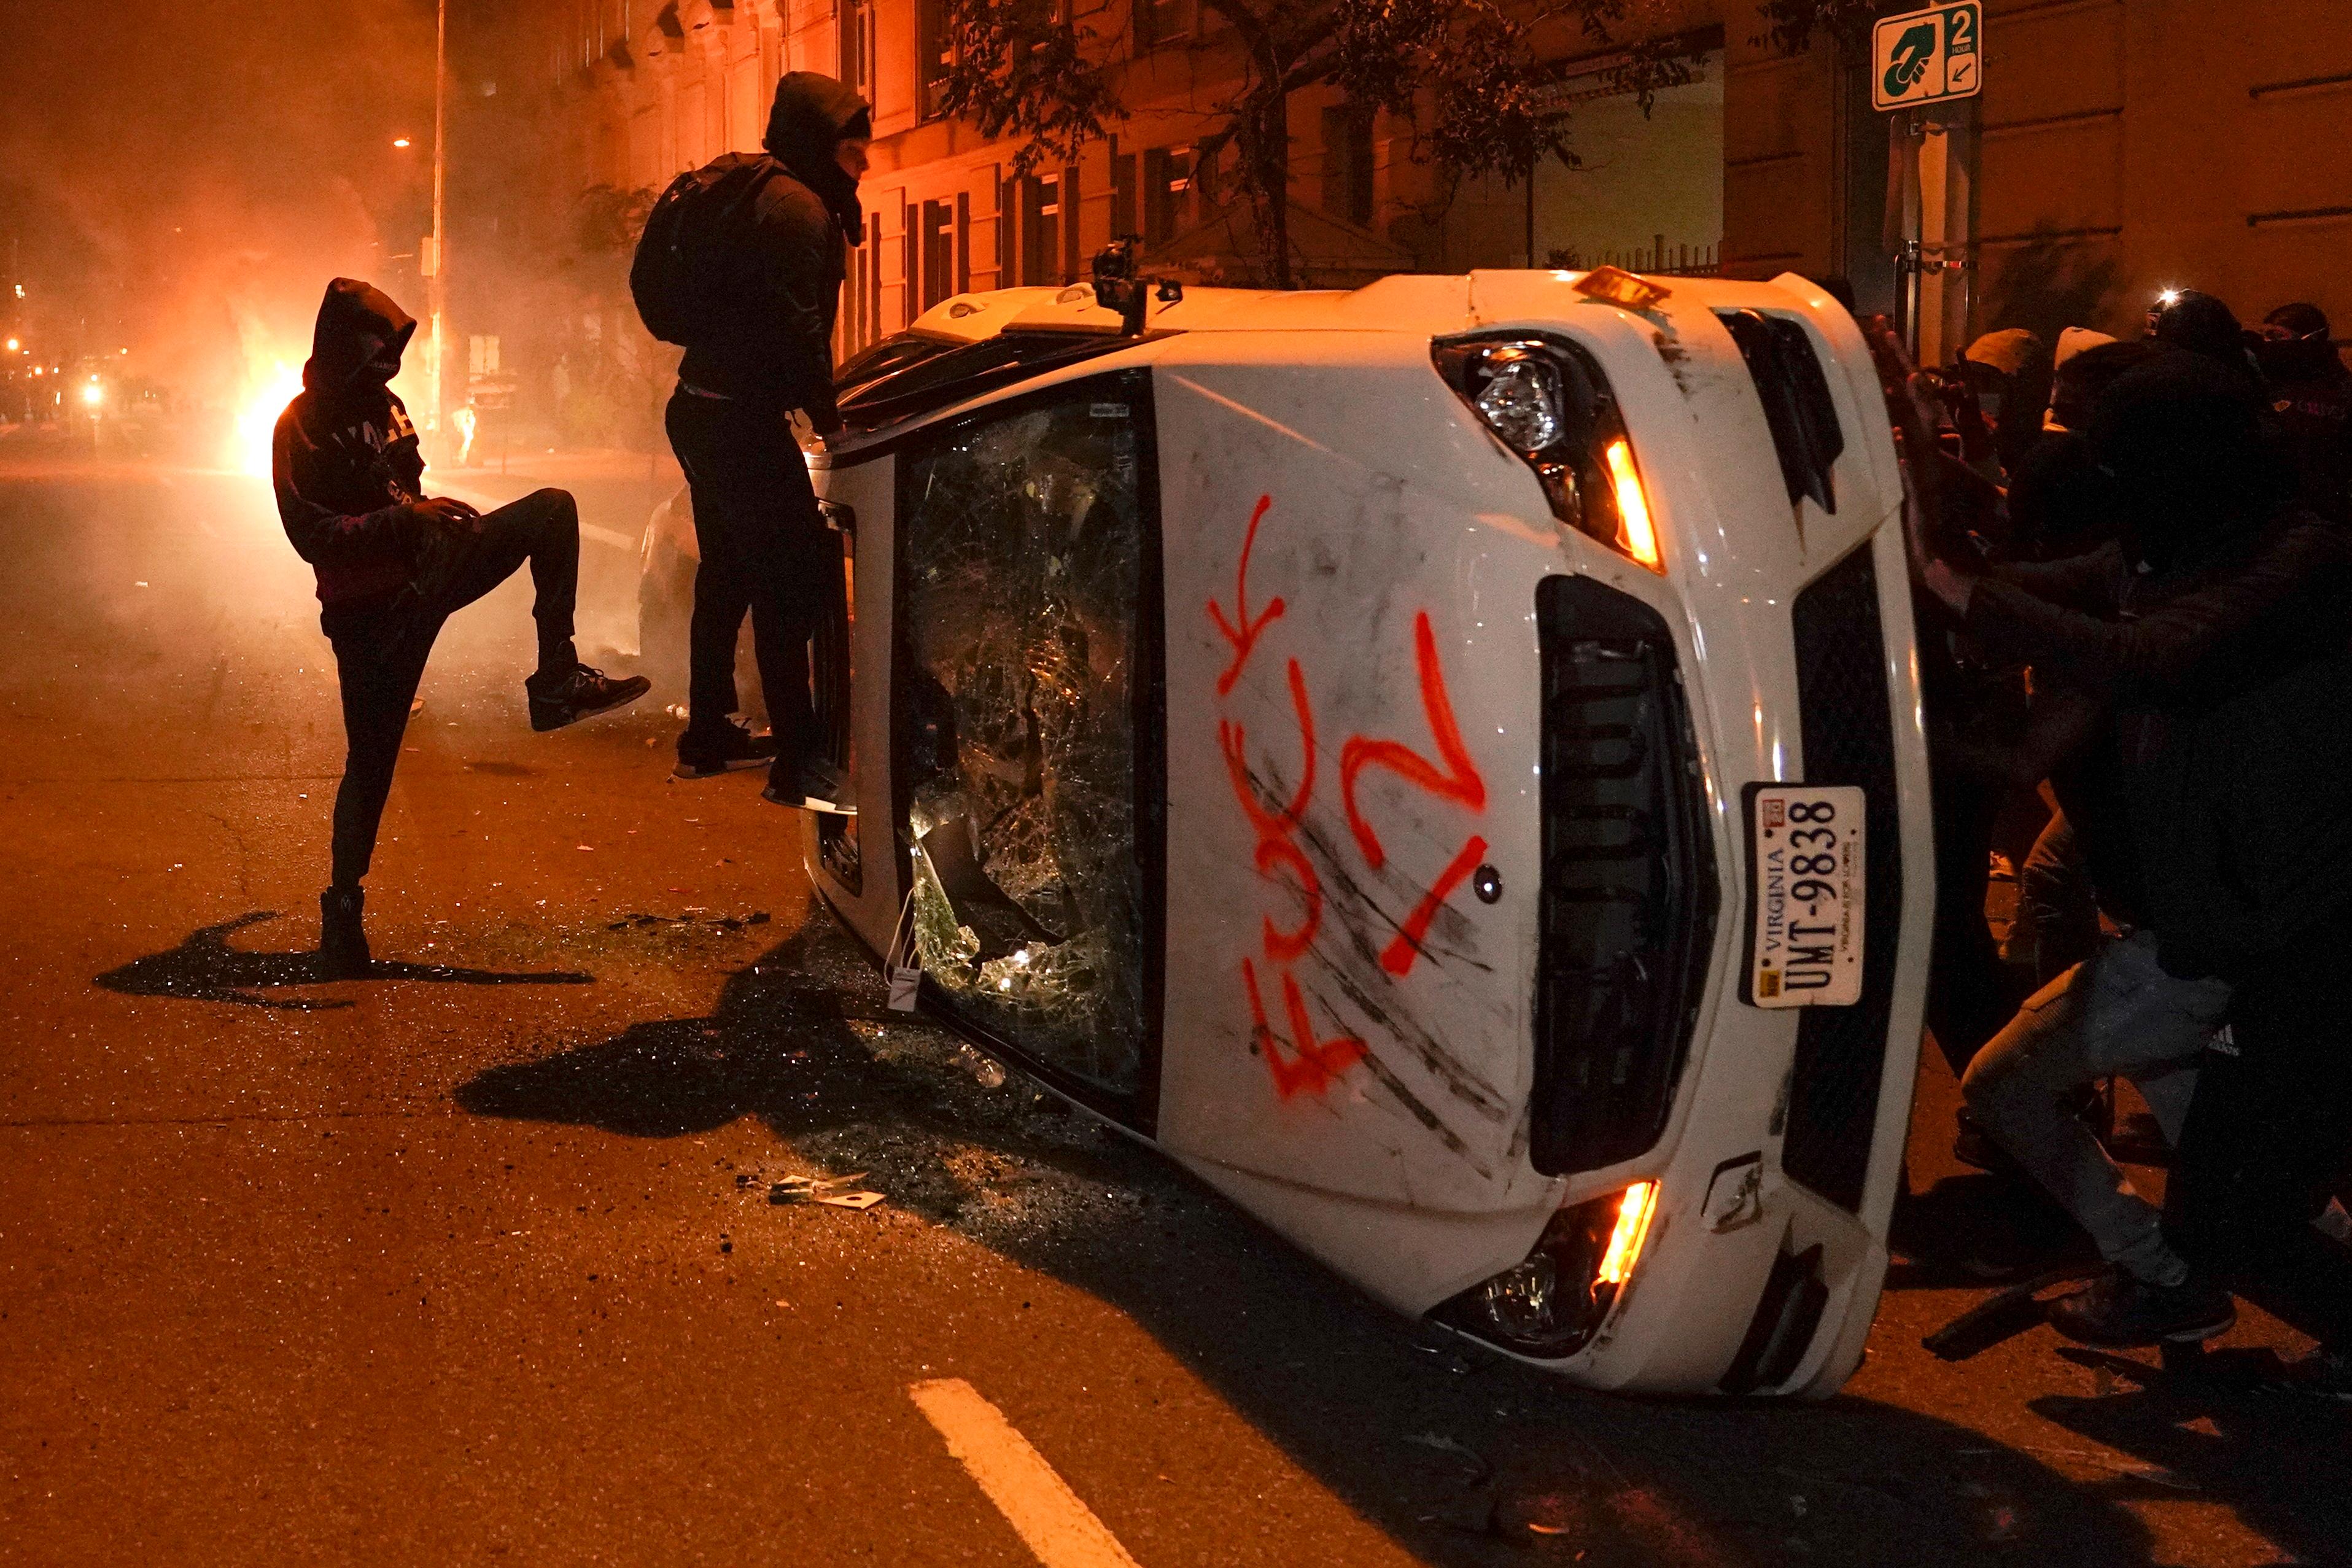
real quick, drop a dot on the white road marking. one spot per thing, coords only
(1039, 1505)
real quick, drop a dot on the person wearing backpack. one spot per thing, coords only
(741, 264)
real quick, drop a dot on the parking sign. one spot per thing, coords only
(1928, 56)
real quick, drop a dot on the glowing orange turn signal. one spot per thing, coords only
(1636, 536)
(1640, 1199)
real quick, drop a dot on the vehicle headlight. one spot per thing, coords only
(1552, 1304)
(1521, 400)
(1545, 398)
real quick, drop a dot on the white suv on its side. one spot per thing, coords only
(1443, 762)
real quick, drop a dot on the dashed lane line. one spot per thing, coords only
(1039, 1505)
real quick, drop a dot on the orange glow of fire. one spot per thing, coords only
(265, 397)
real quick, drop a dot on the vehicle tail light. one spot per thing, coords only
(1545, 398)
(1551, 1305)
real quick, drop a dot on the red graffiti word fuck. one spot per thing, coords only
(1311, 1063)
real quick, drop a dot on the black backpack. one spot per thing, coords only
(695, 254)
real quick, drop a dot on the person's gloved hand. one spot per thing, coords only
(447, 514)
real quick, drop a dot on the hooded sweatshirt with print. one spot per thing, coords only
(344, 460)
(780, 354)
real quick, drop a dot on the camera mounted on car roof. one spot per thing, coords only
(1117, 287)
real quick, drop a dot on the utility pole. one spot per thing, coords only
(437, 287)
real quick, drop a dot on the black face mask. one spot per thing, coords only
(2295, 358)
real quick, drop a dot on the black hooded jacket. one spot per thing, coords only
(344, 459)
(804, 217)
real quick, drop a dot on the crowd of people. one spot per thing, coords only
(2133, 573)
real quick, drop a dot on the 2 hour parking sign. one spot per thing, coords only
(1928, 56)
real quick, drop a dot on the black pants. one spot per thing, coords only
(381, 645)
(764, 546)
(2268, 1135)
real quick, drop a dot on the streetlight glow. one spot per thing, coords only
(15, 347)
(400, 141)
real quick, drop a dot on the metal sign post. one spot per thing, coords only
(1922, 64)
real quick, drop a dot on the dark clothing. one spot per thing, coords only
(2257, 601)
(2269, 1133)
(382, 642)
(2233, 700)
(2315, 418)
(344, 460)
(780, 355)
(1970, 993)
(763, 547)
(2060, 503)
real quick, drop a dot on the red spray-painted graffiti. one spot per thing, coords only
(1313, 1063)
(1242, 631)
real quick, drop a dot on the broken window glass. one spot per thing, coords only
(1022, 554)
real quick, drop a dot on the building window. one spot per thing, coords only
(911, 263)
(1163, 21)
(1123, 215)
(1041, 228)
(932, 54)
(939, 252)
(1347, 164)
(856, 23)
(1167, 194)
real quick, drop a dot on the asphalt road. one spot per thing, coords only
(475, 1261)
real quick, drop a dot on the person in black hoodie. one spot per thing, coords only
(2214, 633)
(391, 565)
(755, 513)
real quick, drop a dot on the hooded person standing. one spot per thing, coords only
(392, 565)
(766, 352)
(2311, 397)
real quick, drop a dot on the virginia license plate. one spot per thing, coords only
(1805, 854)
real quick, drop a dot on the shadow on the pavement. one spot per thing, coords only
(1465, 1459)
(204, 968)
(2276, 1460)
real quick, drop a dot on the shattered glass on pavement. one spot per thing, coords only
(1023, 550)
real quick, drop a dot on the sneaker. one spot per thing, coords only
(817, 787)
(342, 939)
(2120, 1312)
(582, 694)
(733, 748)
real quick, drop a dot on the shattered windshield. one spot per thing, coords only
(1021, 545)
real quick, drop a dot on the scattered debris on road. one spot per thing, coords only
(827, 1190)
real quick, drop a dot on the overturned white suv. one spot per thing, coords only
(1443, 762)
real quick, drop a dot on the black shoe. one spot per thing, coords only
(731, 748)
(582, 694)
(815, 786)
(342, 940)
(2119, 1311)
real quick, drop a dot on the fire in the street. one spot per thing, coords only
(267, 395)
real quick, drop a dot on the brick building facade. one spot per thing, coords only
(2120, 146)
